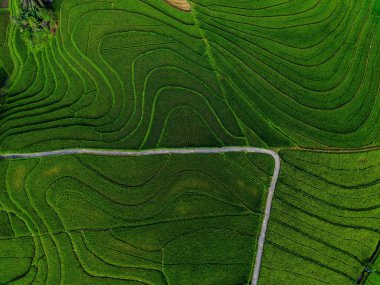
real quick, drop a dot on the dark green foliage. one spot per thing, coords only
(142, 75)
(3, 78)
(6, 64)
(36, 23)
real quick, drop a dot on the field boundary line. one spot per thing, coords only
(164, 151)
(332, 149)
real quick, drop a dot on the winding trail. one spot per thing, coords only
(205, 150)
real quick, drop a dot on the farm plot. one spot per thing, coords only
(178, 219)
(142, 74)
(324, 224)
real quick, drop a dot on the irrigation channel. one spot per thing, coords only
(126, 153)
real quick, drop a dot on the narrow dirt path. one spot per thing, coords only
(126, 153)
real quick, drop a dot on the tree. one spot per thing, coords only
(29, 4)
(36, 22)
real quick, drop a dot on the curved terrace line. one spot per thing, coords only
(202, 150)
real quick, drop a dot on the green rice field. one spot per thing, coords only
(171, 219)
(324, 225)
(299, 78)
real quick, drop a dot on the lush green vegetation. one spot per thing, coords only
(36, 22)
(142, 74)
(374, 275)
(183, 219)
(146, 75)
(5, 60)
(6, 65)
(324, 222)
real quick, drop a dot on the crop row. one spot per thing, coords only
(111, 83)
(181, 219)
(324, 222)
(146, 75)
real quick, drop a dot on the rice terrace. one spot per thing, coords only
(190, 142)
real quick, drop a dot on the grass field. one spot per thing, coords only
(299, 77)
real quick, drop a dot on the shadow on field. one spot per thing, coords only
(4, 3)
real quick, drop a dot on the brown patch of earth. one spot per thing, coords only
(180, 4)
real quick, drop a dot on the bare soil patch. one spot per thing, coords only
(180, 4)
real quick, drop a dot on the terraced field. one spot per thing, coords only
(324, 226)
(299, 77)
(177, 219)
(144, 75)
